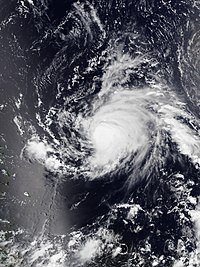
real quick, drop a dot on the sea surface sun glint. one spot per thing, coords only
(100, 133)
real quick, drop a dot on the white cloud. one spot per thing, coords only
(90, 250)
(42, 152)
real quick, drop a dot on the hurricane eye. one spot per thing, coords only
(105, 136)
(119, 129)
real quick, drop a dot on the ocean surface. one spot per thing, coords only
(100, 133)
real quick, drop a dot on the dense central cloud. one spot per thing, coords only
(120, 127)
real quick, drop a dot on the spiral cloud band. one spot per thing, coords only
(129, 129)
(120, 128)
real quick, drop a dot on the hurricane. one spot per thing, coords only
(100, 133)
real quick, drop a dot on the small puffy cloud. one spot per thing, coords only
(91, 249)
(36, 150)
(41, 151)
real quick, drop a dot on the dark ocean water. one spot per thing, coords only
(100, 133)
